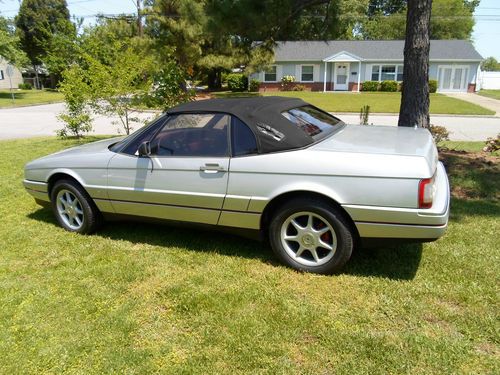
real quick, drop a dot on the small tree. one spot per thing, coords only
(118, 86)
(77, 97)
(169, 87)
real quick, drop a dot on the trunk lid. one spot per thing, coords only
(385, 140)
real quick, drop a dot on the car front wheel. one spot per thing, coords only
(74, 209)
(311, 235)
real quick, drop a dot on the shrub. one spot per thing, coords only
(439, 133)
(287, 83)
(433, 85)
(492, 144)
(364, 114)
(77, 97)
(298, 88)
(400, 86)
(25, 86)
(237, 82)
(254, 85)
(370, 86)
(389, 86)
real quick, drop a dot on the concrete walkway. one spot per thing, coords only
(42, 121)
(483, 101)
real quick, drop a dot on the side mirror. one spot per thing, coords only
(144, 149)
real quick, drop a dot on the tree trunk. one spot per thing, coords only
(214, 79)
(414, 110)
(37, 80)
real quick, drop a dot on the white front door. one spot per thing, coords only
(452, 77)
(341, 77)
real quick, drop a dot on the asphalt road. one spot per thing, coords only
(41, 120)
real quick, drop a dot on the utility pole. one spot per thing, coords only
(140, 31)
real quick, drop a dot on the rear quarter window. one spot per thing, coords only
(313, 121)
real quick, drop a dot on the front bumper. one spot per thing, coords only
(38, 190)
(407, 223)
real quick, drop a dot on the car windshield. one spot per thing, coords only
(312, 121)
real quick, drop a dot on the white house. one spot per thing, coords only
(16, 77)
(343, 65)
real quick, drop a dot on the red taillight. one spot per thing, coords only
(426, 193)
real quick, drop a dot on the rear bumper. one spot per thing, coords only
(389, 222)
(38, 190)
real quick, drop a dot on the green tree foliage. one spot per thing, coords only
(490, 64)
(77, 93)
(450, 19)
(211, 36)
(9, 44)
(44, 27)
(114, 71)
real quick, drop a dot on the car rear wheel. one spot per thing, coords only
(311, 235)
(74, 209)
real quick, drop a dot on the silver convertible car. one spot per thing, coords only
(312, 185)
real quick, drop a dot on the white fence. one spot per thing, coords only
(489, 80)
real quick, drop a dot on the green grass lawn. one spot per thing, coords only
(146, 298)
(494, 94)
(379, 102)
(28, 97)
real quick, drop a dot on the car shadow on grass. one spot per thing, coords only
(398, 262)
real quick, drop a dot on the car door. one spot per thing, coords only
(185, 176)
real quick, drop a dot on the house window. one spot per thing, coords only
(387, 73)
(400, 73)
(307, 74)
(1, 75)
(270, 75)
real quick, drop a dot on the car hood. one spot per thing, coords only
(99, 146)
(85, 156)
(386, 140)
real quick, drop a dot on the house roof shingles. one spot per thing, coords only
(372, 50)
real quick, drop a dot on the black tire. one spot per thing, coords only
(90, 214)
(342, 236)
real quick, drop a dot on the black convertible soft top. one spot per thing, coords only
(262, 114)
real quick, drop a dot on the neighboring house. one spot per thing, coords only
(16, 78)
(345, 64)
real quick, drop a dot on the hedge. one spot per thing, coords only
(369, 86)
(237, 82)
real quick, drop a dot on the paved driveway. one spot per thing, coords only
(483, 101)
(42, 121)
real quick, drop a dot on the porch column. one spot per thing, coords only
(324, 78)
(359, 74)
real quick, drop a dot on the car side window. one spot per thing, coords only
(242, 138)
(203, 134)
(143, 135)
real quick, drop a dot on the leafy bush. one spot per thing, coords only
(389, 86)
(77, 98)
(369, 86)
(400, 86)
(254, 85)
(25, 86)
(237, 82)
(439, 133)
(169, 87)
(298, 87)
(364, 115)
(433, 85)
(287, 83)
(492, 144)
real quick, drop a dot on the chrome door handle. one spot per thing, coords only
(212, 168)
